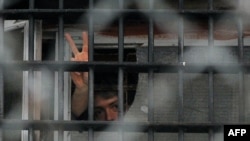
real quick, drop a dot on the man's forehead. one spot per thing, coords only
(106, 92)
(103, 102)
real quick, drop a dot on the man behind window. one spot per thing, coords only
(105, 93)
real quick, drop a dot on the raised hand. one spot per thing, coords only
(80, 79)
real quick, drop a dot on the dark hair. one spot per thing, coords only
(106, 85)
(106, 94)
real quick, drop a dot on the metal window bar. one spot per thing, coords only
(1, 69)
(120, 60)
(121, 71)
(211, 73)
(91, 69)
(60, 71)
(30, 71)
(241, 73)
(180, 71)
(151, 72)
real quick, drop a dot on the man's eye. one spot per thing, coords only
(98, 113)
(114, 107)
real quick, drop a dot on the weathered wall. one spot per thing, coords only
(195, 96)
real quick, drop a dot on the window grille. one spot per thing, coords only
(204, 66)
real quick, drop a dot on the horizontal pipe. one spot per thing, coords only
(107, 126)
(46, 13)
(61, 11)
(127, 66)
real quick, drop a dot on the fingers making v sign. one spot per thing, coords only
(80, 79)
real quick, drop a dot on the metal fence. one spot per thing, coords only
(181, 65)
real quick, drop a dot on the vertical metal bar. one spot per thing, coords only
(25, 91)
(120, 60)
(121, 100)
(60, 59)
(151, 72)
(31, 4)
(210, 4)
(181, 5)
(180, 71)
(91, 58)
(60, 71)
(67, 94)
(241, 73)
(120, 76)
(211, 74)
(91, 70)
(121, 4)
(151, 103)
(151, 37)
(47, 88)
(30, 71)
(121, 72)
(31, 58)
(1, 69)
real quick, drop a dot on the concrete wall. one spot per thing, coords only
(195, 96)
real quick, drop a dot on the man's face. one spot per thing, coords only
(106, 109)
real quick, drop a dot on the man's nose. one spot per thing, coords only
(111, 115)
